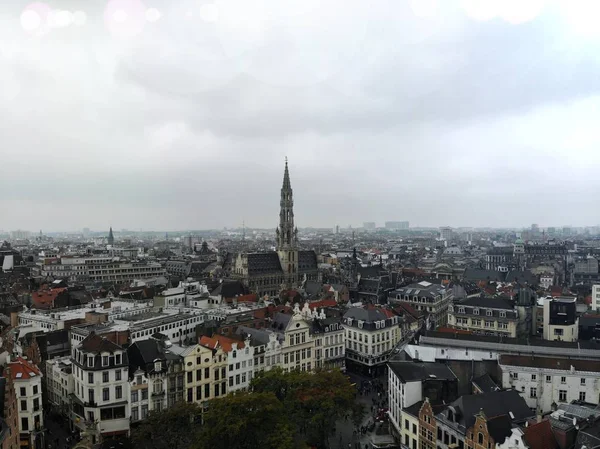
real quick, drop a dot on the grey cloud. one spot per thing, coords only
(383, 116)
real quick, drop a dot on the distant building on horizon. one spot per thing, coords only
(397, 225)
(369, 225)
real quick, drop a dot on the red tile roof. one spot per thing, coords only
(322, 303)
(44, 299)
(540, 436)
(97, 344)
(209, 342)
(404, 308)
(23, 369)
(226, 342)
(248, 298)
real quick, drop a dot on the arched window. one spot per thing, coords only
(480, 438)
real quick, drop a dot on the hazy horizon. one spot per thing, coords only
(179, 115)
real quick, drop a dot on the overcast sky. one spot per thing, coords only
(173, 115)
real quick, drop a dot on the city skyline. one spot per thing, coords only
(181, 119)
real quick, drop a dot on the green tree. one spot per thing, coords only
(246, 421)
(173, 428)
(313, 401)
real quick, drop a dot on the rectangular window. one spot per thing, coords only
(548, 379)
(582, 381)
(91, 378)
(105, 376)
(105, 394)
(35, 389)
(144, 411)
(105, 360)
(118, 359)
(118, 374)
(134, 396)
(144, 394)
(190, 377)
(25, 424)
(23, 405)
(563, 380)
(582, 396)
(23, 391)
(206, 373)
(534, 377)
(118, 391)
(135, 414)
(562, 395)
(199, 393)
(206, 391)
(533, 392)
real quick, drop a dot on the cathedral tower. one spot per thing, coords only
(287, 233)
(111, 237)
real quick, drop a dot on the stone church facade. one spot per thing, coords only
(269, 273)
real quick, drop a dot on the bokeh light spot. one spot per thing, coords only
(30, 20)
(152, 14)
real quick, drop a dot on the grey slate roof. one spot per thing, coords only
(258, 337)
(521, 277)
(485, 383)
(487, 303)
(475, 274)
(500, 428)
(409, 371)
(368, 315)
(313, 287)
(307, 261)
(281, 321)
(263, 263)
(493, 404)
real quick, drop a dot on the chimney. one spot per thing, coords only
(538, 417)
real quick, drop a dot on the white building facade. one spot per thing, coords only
(60, 382)
(371, 333)
(102, 391)
(547, 381)
(27, 381)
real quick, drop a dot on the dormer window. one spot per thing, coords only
(377, 324)
(451, 308)
(157, 366)
(104, 360)
(382, 323)
(360, 324)
(461, 310)
(488, 312)
(503, 314)
(90, 361)
(118, 359)
(475, 311)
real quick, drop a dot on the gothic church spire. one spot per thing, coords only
(287, 234)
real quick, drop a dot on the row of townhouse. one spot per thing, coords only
(426, 412)
(106, 387)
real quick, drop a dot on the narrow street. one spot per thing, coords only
(345, 436)
(57, 433)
